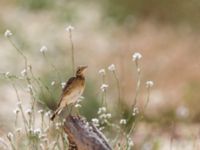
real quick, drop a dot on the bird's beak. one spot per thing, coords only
(84, 68)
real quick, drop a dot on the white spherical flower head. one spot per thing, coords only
(104, 87)
(122, 121)
(63, 84)
(43, 49)
(69, 28)
(29, 111)
(53, 83)
(111, 67)
(78, 105)
(16, 111)
(10, 136)
(102, 72)
(136, 56)
(41, 111)
(149, 84)
(8, 33)
(95, 121)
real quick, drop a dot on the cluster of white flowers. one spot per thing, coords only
(43, 49)
(135, 111)
(102, 72)
(136, 56)
(95, 121)
(69, 28)
(103, 115)
(101, 110)
(8, 33)
(63, 84)
(111, 67)
(149, 84)
(130, 143)
(104, 87)
(123, 121)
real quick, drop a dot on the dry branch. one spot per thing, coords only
(83, 135)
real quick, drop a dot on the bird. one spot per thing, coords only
(73, 89)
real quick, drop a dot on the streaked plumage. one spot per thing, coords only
(72, 91)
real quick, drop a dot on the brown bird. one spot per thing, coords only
(72, 91)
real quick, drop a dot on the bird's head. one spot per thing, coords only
(80, 70)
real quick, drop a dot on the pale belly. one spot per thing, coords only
(72, 98)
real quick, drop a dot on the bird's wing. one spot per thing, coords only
(68, 85)
(67, 89)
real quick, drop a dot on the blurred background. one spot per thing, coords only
(166, 33)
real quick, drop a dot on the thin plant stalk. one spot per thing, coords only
(137, 84)
(72, 52)
(20, 107)
(142, 113)
(53, 66)
(26, 77)
(118, 90)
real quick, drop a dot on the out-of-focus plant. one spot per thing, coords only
(49, 135)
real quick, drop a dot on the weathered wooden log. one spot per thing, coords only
(83, 135)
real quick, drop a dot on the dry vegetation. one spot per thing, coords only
(171, 58)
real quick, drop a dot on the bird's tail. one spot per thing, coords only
(56, 112)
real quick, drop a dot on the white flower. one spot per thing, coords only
(95, 121)
(16, 111)
(63, 84)
(8, 33)
(130, 142)
(102, 72)
(29, 111)
(111, 67)
(136, 56)
(58, 125)
(78, 105)
(7, 74)
(104, 87)
(41, 111)
(43, 49)
(53, 83)
(23, 72)
(37, 131)
(10, 136)
(69, 28)
(149, 84)
(135, 111)
(108, 115)
(122, 121)
(48, 113)
(30, 87)
(101, 110)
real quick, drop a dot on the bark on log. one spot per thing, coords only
(83, 135)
